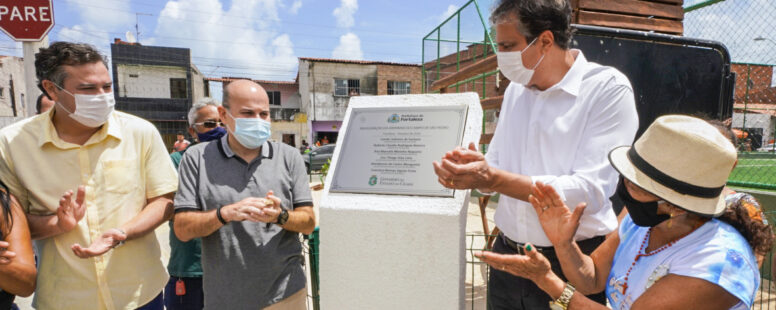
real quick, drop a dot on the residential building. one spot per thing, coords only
(12, 87)
(156, 83)
(326, 86)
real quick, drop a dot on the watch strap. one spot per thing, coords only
(565, 297)
(282, 217)
(219, 216)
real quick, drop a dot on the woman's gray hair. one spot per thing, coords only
(201, 103)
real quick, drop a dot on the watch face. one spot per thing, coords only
(283, 218)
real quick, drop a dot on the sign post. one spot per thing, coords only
(28, 21)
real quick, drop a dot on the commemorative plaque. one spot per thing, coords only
(389, 150)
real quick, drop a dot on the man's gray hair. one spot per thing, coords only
(201, 103)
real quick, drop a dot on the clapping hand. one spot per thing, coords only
(531, 266)
(108, 240)
(462, 169)
(559, 223)
(6, 256)
(71, 211)
(271, 210)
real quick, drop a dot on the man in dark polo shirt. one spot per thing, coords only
(248, 198)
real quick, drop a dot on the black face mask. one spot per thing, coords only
(644, 214)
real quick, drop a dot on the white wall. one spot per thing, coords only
(756, 120)
(197, 85)
(12, 68)
(151, 81)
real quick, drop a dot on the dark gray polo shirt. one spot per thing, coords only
(246, 265)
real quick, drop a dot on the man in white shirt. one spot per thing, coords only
(560, 117)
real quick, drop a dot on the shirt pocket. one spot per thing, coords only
(121, 176)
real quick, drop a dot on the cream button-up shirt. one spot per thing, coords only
(122, 165)
(562, 137)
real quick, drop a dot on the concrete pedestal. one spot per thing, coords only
(392, 251)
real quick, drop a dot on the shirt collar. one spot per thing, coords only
(572, 81)
(46, 122)
(266, 148)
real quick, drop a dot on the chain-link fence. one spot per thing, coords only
(748, 29)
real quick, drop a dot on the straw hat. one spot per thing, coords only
(682, 160)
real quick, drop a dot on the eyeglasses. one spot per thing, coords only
(209, 124)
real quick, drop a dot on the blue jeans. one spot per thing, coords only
(193, 299)
(155, 304)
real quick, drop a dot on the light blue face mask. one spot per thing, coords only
(250, 132)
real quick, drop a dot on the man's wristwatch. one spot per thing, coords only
(120, 243)
(282, 217)
(562, 303)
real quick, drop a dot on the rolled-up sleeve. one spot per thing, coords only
(302, 196)
(613, 123)
(188, 173)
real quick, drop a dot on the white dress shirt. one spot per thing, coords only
(562, 137)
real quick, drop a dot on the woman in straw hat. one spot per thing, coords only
(674, 249)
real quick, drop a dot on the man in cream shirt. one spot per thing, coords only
(90, 179)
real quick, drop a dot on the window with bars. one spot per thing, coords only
(398, 88)
(278, 114)
(343, 87)
(178, 89)
(274, 97)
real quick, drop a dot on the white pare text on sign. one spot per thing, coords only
(28, 20)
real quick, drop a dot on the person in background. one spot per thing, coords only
(559, 115)
(677, 245)
(181, 143)
(204, 125)
(248, 199)
(305, 147)
(184, 289)
(96, 244)
(43, 104)
(17, 264)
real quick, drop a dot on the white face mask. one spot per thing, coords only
(90, 110)
(511, 65)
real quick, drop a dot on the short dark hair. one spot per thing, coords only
(38, 103)
(537, 16)
(49, 61)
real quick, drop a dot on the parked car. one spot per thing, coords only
(318, 156)
(767, 148)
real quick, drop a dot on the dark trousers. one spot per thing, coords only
(155, 304)
(506, 291)
(193, 299)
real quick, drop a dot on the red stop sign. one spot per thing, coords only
(26, 20)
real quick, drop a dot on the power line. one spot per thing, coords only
(227, 42)
(243, 17)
